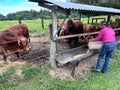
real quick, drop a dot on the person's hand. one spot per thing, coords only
(91, 40)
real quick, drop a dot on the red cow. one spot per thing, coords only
(20, 30)
(88, 29)
(72, 27)
(116, 25)
(9, 43)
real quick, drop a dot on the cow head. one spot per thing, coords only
(24, 43)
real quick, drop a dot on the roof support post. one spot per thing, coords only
(80, 16)
(52, 42)
(108, 18)
(88, 19)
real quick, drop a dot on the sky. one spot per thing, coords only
(12, 6)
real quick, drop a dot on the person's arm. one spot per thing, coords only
(100, 35)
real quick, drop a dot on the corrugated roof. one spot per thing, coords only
(83, 7)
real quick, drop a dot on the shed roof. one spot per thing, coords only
(81, 7)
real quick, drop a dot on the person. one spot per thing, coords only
(107, 36)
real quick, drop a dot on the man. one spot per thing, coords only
(107, 36)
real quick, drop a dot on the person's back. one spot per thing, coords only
(108, 34)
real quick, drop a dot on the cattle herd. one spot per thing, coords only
(15, 39)
(76, 27)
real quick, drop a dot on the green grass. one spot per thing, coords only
(34, 26)
(6, 75)
(30, 71)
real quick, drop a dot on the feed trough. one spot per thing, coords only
(73, 55)
(79, 53)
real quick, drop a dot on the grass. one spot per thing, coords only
(30, 71)
(92, 81)
(6, 75)
(34, 26)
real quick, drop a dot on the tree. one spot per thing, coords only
(106, 3)
(2, 17)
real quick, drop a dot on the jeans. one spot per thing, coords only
(107, 50)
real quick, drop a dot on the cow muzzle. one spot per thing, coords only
(28, 48)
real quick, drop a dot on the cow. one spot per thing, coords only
(116, 25)
(72, 27)
(20, 30)
(89, 29)
(11, 43)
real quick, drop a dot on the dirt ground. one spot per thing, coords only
(60, 72)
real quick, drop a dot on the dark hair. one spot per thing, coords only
(104, 23)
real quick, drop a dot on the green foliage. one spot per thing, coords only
(30, 15)
(6, 75)
(2, 17)
(30, 71)
(106, 3)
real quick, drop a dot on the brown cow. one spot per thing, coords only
(20, 30)
(9, 43)
(72, 27)
(88, 29)
(116, 25)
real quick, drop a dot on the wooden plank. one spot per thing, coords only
(79, 35)
(76, 35)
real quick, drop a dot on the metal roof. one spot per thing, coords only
(75, 6)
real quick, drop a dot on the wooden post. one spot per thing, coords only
(20, 22)
(108, 18)
(52, 42)
(88, 19)
(80, 16)
(42, 22)
(92, 20)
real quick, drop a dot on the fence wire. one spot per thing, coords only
(39, 52)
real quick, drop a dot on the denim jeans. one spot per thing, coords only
(107, 50)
